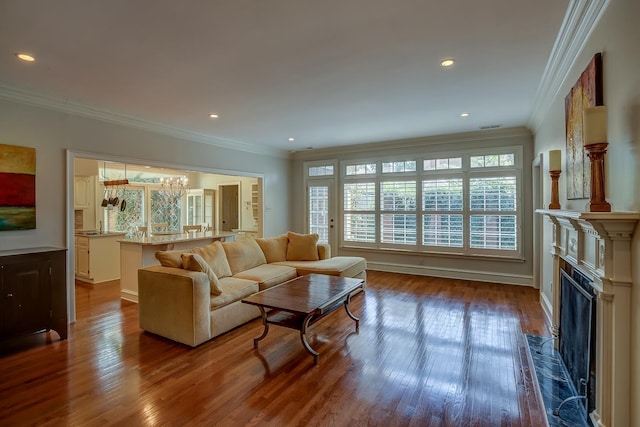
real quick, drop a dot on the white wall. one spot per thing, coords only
(52, 133)
(617, 36)
(501, 271)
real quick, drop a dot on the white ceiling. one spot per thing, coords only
(329, 72)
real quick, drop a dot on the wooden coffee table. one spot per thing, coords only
(301, 302)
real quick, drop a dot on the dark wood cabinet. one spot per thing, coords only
(33, 292)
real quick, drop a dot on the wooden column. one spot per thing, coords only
(596, 154)
(555, 199)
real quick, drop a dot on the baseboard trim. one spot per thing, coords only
(452, 273)
(546, 307)
(129, 295)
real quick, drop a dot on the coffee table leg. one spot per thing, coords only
(305, 343)
(263, 313)
(346, 307)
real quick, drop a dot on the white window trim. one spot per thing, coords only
(466, 173)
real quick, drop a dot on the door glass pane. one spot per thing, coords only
(194, 209)
(319, 212)
(165, 209)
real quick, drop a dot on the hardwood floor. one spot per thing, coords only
(430, 352)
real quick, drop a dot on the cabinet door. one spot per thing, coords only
(82, 193)
(194, 207)
(26, 297)
(208, 210)
(82, 256)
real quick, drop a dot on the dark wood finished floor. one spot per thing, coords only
(430, 352)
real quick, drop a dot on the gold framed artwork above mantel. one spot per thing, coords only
(587, 92)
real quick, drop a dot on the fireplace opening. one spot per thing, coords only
(578, 333)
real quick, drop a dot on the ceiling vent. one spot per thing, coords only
(490, 127)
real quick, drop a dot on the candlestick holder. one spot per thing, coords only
(555, 199)
(596, 153)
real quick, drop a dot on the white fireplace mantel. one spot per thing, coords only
(599, 244)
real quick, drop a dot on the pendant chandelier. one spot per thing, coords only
(174, 188)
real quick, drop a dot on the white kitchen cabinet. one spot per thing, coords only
(255, 202)
(98, 257)
(200, 204)
(82, 257)
(83, 192)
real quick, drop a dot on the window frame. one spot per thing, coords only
(466, 173)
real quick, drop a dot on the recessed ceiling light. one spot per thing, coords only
(464, 114)
(446, 63)
(213, 116)
(292, 139)
(25, 57)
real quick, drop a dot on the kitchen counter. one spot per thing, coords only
(171, 239)
(140, 252)
(98, 234)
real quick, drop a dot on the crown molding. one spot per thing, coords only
(26, 96)
(579, 22)
(451, 138)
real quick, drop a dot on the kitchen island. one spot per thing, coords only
(140, 252)
(96, 256)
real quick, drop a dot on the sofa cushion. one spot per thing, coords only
(274, 248)
(243, 255)
(215, 256)
(268, 275)
(171, 258)
(195, 262)
(302, 247)
(233, 289)
(345, 266)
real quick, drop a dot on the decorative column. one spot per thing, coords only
(555, 169)
(595, 137)
(596, 154)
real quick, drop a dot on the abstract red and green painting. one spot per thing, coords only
(17, 187)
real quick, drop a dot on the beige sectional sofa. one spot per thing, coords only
(196, 295)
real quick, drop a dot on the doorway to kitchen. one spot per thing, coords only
(86, 212)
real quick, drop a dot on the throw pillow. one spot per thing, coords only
(243, 255)
(170, 258)
(274, 248)
(195, 262)
(302, 247)
(214, 255)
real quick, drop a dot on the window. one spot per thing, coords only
(442, 164)
(132, 215)
(493, 212)
(492, 160)
(359, 212)
(442, 212)
(325, 170)
(398, 207)
(391, 167)
(361, 169)
(461, 203)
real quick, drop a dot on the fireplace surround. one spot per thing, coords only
(598, 246)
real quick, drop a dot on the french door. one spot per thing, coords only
(321, 211)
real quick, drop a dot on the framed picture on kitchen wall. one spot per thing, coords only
(17, 187)
(587, 92)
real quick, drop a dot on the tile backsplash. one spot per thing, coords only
(78, 220)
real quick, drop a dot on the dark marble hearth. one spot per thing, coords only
(555, 385)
